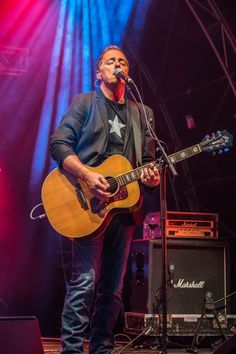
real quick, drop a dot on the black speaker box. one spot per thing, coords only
(20, 335)
(227, 347)
(199, 266)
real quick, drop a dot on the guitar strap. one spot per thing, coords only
(137, 134)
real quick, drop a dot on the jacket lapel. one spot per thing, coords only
(133, 133)
(103, 111)
(128, 128)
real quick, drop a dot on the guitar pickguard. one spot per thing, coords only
(97, 206)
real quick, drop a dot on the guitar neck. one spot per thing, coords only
(185, 153)
(135, 174)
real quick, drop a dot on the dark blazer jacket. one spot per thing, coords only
(83, 131)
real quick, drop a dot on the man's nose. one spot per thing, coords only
(117, 64)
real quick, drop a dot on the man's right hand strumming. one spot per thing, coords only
(96, 183)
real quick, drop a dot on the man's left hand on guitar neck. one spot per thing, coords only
(150, 176)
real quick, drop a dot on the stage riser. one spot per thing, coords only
(179, 325)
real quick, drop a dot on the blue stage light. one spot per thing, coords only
(84, 29)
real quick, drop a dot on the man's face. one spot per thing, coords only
(112, 60)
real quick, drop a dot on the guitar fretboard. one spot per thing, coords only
(185, 154)
(135, 174)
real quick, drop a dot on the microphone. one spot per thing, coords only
(209, 302)
(121, 75)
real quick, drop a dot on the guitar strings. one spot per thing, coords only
(113, 181)
(120, 180)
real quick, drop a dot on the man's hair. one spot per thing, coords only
(110, 47)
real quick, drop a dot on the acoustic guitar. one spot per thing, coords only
(74, 211)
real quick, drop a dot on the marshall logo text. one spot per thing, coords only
(182, 284)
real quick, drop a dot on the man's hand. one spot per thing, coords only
(150, 176)
(98, 185)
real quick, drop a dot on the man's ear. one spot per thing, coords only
(98, 75)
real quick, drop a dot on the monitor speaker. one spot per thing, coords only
(227, 347)
(20, 335)
(198, 266)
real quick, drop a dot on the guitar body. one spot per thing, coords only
(72, 209)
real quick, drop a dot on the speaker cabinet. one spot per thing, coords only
(198, 266)
(227, 347)
(20, 335)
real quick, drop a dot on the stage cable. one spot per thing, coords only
(41, 216)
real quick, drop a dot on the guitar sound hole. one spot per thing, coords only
(113, 185)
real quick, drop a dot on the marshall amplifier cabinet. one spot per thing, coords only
(195, 266)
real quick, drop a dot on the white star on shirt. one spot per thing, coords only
(116, 126)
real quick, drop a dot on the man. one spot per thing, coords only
(96, 126)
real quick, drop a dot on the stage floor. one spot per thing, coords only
(52, 346)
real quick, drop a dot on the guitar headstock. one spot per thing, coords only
(220, 141)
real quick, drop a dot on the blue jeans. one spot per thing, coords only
(98, 271)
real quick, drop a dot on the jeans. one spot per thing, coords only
(98, 270)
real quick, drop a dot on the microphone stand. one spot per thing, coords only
(165, 162)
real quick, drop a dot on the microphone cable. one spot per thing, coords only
(141, 107)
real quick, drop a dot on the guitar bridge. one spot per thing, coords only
(81, 197)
